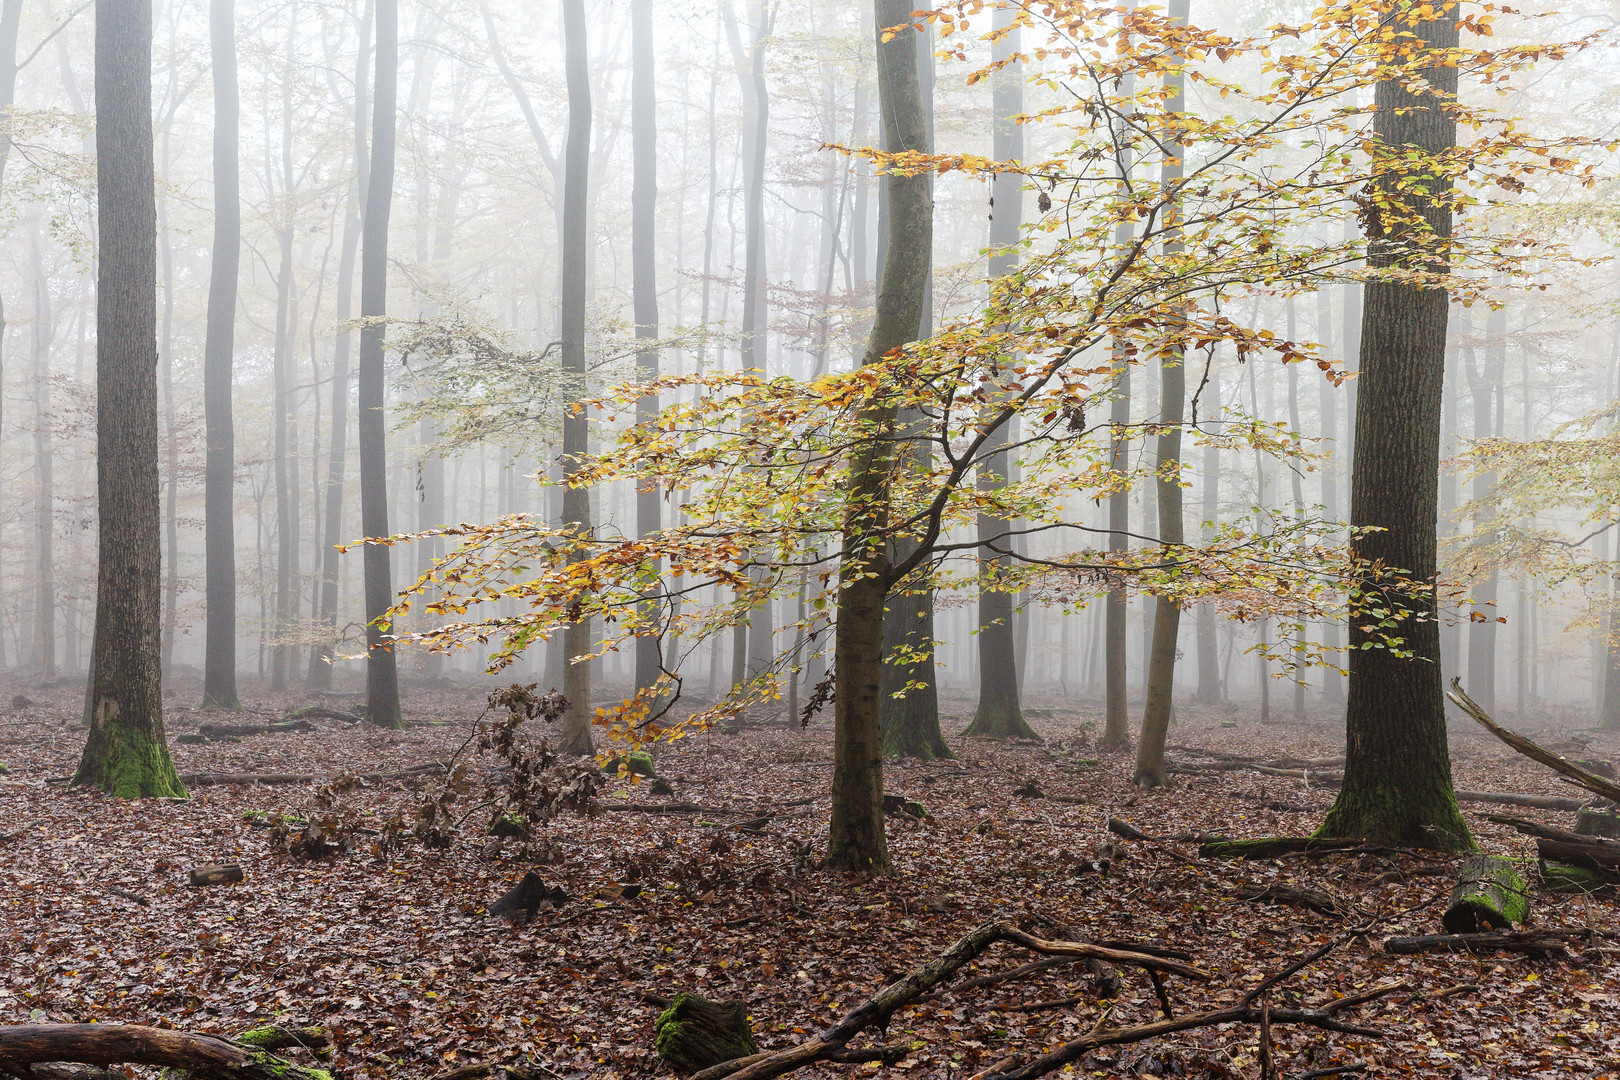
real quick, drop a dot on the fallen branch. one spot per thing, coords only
(921, 980)
(203, 1056)
(1597, 785)
(1538, 943)
(217, 779)
(243, 731)
(1529, 802)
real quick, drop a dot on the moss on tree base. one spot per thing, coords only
(1561, 877)
(1000, 719)
(1396, 814)
(128, 762)
(695, 1033)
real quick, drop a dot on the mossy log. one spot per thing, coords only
(1490, 894)
(274, 1037)
(1269, 847)
(1535, 943)
(226, 874)
(1561, 877)
(204, 1056)
(695, 1033)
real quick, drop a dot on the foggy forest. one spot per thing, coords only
(553, 539)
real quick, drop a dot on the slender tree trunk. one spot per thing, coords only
(382, 674)
(1209, 662)
(45, 508)
(126, 753)
(1332, 681)
(644, 284)
(999, 714)
(171, 440)
(219, 346)
(1161, 661)
(10, 21)
(283, 380)
(1397, 780)
(576, 515)
(320, 660)
(856, 841)
(1485, 387)
(910, 693)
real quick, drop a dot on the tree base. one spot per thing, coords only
(1000, 720)
(1397, 815)
(695, 1033)
(127, 762)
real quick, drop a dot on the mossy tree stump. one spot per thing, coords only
(1598, 823)
(695, 1033)
(1490, 894)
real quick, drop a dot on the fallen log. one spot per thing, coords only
(1597, 823)
(226, 874)
(1602, 858)
(318, 712)
(920, 981)
(1537, 943)
(243, 731)
(1529, 802)
(204, 1056)
(1269, 847)
(1597, 785)
(217, 779)
(1293, 896)
(1490, 894)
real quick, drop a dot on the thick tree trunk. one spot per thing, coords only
(10, 22)
(1161, 660)
(856, 841)
(219, 345)
(644, 277)
(999, 714)
(125, 754)
(382, 674)
(576, 501)
(1397, 782)
(320, 658)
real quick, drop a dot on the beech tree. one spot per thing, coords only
(644, 212)
(382, 673)
(126, 753)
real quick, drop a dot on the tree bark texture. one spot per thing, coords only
(856, 841)
(219, 346)
(576, 500)
(125, 754)
(1397, 782)
(644, 275)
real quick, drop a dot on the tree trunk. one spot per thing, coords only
(283, 380)
(1161, 660)
(856, 841)
(382, 674)
(1209, 662)
(910, 681)
(1397, 782)
(126, 754)
(999, 714)
(576, 508)
(644, 283)
(219, 484)
(44, 509)
(10, 21)
(1332, 681)
(320, 658)
(1486, 390)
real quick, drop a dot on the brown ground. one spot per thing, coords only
(397, 958)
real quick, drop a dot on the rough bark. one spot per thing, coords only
(695, 1033)
(10, 22)
(1000, 714)
(126, 754)
(1397, 785)
(576, 501)
(856, 841)
(1490, 894)
(203, 1056)
(1161, 661)
(219, 345)
(382, 674)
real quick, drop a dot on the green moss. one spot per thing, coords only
(1561, 877)
(127, 762)
(285, 1069)
(270, 1035)
(999, 717)
(694, 1034)
(636, 763)
(506, 823)
(1389, 811)
(4, 768)
(1490, 895)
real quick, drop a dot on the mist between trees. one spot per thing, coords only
(806, 361)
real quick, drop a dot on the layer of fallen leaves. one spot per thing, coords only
(396, 955)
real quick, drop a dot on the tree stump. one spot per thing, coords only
(694, 1033)
(1490, 894)
(1597, 823)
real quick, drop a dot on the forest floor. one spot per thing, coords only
(396, 956)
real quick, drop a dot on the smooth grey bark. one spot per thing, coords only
(1210, 691)
(1295, 473)
(999, 713)
(45, 506)
(1161, 660)
(382, 673)
(1486, 391)
(910, 682)
(283, 381)
(1397, 781)
(1332, 681)
(644, 277)
(320, 659)
(856, 841)
(219, 345)
(576, 501)
(126, 753)
(10, 21)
